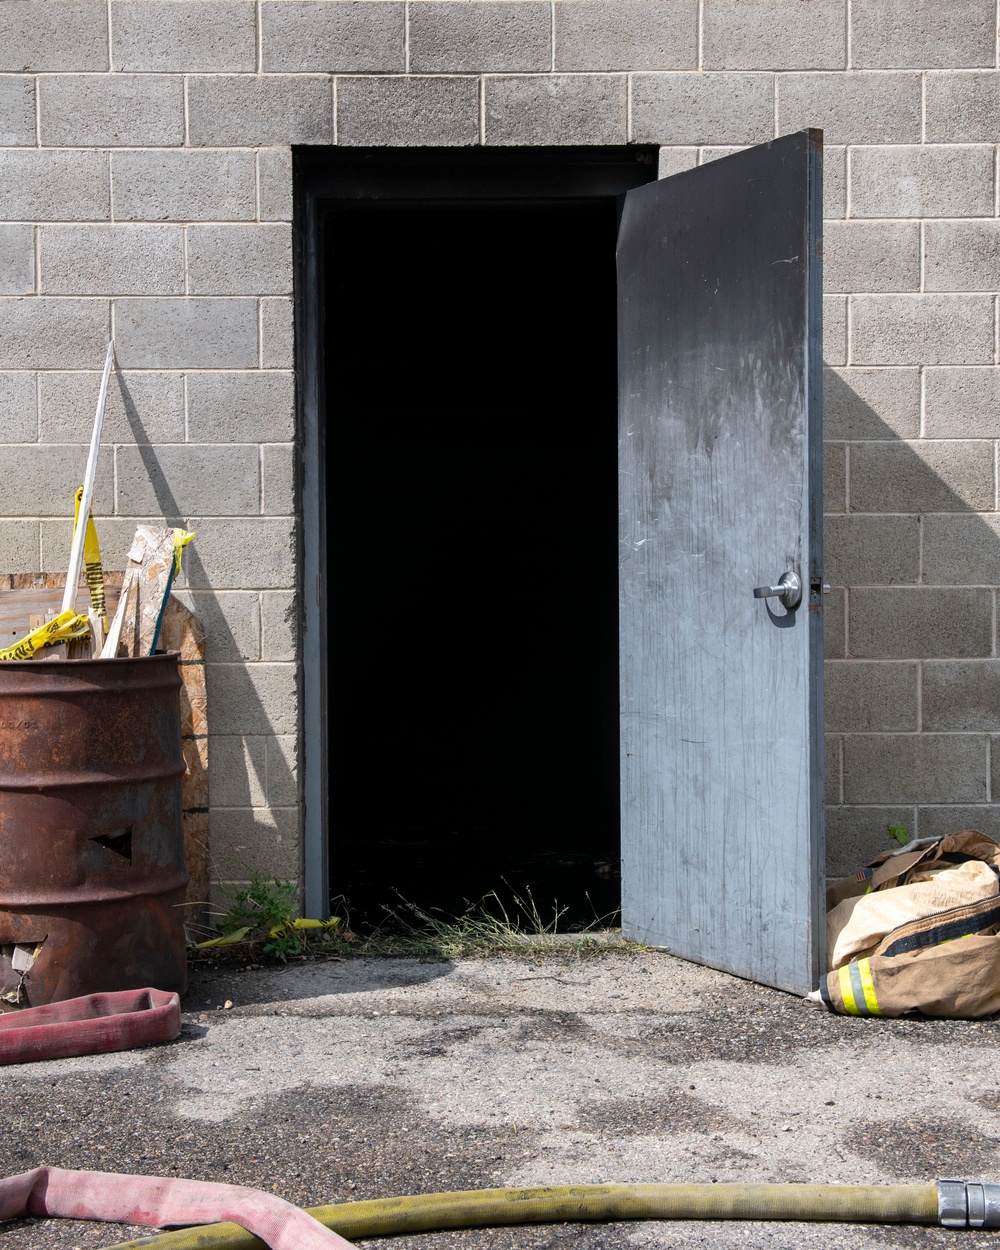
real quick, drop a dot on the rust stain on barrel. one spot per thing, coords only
(91, 843)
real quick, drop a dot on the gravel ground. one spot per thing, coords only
(339, 1080)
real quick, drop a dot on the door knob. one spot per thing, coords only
(788, 590)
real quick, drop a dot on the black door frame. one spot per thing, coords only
(328, 178)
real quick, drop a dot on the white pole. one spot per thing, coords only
(76, 551)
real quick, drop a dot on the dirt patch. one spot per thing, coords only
(675, 1112)
(934, 1147)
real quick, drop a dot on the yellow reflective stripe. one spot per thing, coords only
(865, 968)
(847, 991)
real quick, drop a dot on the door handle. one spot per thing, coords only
(788, 590)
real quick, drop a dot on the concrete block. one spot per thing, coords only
(17, 111)
(54, 186)
(240, 260)
(17, 259)
(709, 154)
(856, 835)
(832, 771)
(255, 839)
(141, 407)
(851, 108)
(278, 471)
(898, 623)
(274, 184)
(871, 256)
(935, 822)
(186, 333)
(702, 108)
(871, 550)
(245, 554)
(921, 329)
(44, 36)
(39, 333)
(408, 112)
(40, 480)
(332, 38)
(279, 616)
(277, 334)
(835, 329)
(946, 475)
(602, 35)
(557, 109)
(923, 34)
(834, 615)
(486, 36)
(864, 696)
(231, 619)
(183, 36)
(18, 409)
(871, 403)
(915, 768)
(245, 110)
(834, 183)
(962, 255)
(237, 771)
(962, 403)
(834, 478)
(184, 186)
(961, 695)
(922, 181)
(774, 34)
(282, 771)
(112, 260)
(253, 698)
(181, 480)
(117, 110)
(251, 407)
(18, 546)
(675, 161)
(962, 551)
(963, 107)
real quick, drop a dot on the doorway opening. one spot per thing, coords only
(469, 365)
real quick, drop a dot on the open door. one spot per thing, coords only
(719, 276)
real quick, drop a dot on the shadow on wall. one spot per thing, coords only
(912, 551)
(230, 685)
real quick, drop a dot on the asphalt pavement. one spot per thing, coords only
(335, 1080)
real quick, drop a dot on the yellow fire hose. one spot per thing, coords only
(954, 1204)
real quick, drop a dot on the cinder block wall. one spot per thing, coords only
(145, 189)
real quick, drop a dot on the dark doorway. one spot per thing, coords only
(471, 520)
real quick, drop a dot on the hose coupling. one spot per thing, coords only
(968, 1204)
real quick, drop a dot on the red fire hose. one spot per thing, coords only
(156, 1202)
(91, 1025)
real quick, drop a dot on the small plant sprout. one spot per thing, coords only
(899, 834)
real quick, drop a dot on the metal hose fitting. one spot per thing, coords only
(968, 1204)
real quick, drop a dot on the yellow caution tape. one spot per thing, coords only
(181, 540)
(61, 628)
(93, 569)
(230, 939)
(286, 926)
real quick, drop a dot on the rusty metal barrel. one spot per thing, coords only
(92, 872)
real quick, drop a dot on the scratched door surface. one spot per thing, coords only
(720, 474)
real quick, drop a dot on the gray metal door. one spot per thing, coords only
(719, 275)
